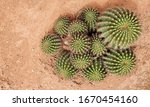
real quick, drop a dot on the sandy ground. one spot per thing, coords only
(23, 23)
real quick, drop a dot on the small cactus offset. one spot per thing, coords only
(80, 44)
(80, 61)
(120, 61)
(77, 27)
(61, 26)
(119, 27)
(63, 65)
(96, 71)
(98, 48)
(90, 16)
(51, 44)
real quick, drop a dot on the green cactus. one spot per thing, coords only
(80, 44)
(61, 25)
(80, 61)
(96, 43)
(96, 71)
(63, 66)
(77, 27)
(120, 61)
(119, 27)
(90, 16)
(98, 48)
(51, 44)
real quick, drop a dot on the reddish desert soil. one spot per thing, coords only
(23, 23)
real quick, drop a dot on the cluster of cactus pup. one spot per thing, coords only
(98, 43)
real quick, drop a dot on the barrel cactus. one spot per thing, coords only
(90, 16)
(80, 61)
(80, 44)
(51, 44)
(120, 27)
(63, 65)
(96, 71)
(61, 25)
(77, 27)
(120, 61)
(97, 48)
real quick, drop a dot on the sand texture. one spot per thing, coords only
(23, 23)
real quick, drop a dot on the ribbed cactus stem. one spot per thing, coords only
(120, 61)
(90, 16)
(96, 71)
(119, 27)
(61, 25)
(80, 44)
(81, 61)
(77, 27)
(64, 67)
(51, 44)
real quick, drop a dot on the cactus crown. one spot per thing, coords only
(96, 71)
(90, 16)
(61, 25)
(51, 44)
(77, 27)
(119, 27)
(120, 61)
(80, 44)
(64, 67)
(81, 61)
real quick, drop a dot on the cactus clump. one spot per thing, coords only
(90, 17)
(63, 65)
(61, 26)
(119, 27)
(93, 44)
(77, 27)
(51, 44)
(96, 71)
(80, 61)
(120, 61)
(80, 44)
(97, 48)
